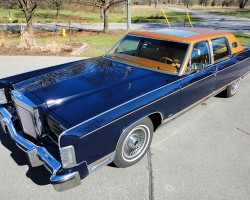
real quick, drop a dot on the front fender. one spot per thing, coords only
(97, 137)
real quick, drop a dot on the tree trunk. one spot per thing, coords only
(156, 3)
(30, 27)
(57, 13)
(106, 20)
(149, 2)
(27, 7)
(243, 4)
(29, 23)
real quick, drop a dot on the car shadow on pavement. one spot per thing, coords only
(37, 174)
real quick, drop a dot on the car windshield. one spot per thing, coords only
(151, 53)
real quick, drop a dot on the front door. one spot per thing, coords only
(199, 79)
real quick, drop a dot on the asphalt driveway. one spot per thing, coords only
(203, 154)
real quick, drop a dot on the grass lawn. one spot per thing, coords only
(139, 14)
(243, 38)
(99, 44)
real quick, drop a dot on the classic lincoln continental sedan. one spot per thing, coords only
(77, 117)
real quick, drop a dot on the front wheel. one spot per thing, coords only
(134, 143)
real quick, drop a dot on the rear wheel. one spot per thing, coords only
(232, 89)
(134, 143)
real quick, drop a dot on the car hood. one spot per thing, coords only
(87, 88)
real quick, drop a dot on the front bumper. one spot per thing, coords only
(38, 155)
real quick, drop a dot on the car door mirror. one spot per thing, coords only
(198, 66)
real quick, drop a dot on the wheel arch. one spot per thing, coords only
(155, 117)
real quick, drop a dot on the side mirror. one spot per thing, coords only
(198, 66)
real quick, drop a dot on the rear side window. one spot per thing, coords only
(220, 49)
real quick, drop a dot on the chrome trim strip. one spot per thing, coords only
(39, 155)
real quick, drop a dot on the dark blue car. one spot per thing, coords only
(78, 117)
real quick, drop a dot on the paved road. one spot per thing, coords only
(204, 154)
(213, 21)
(83, 26)
(221, 22)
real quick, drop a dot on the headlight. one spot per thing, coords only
(68, 157)
(3, 99)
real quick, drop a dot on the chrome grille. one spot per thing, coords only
(27, 121)
(26, 113)
(3, 99)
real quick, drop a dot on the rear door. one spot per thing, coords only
(224, 62)
(199, 79)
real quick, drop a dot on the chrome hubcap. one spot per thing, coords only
(235, 85)
(135, 143)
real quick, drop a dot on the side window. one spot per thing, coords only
(200, 56)
(220, 49)
(129, 46)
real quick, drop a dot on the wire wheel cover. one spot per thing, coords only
(136, 143)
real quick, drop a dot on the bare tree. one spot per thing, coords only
(104, 6)
(28, 8)
(242, 4)
(156, 3)
(58, 5)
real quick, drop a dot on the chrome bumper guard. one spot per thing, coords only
(39, 155)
